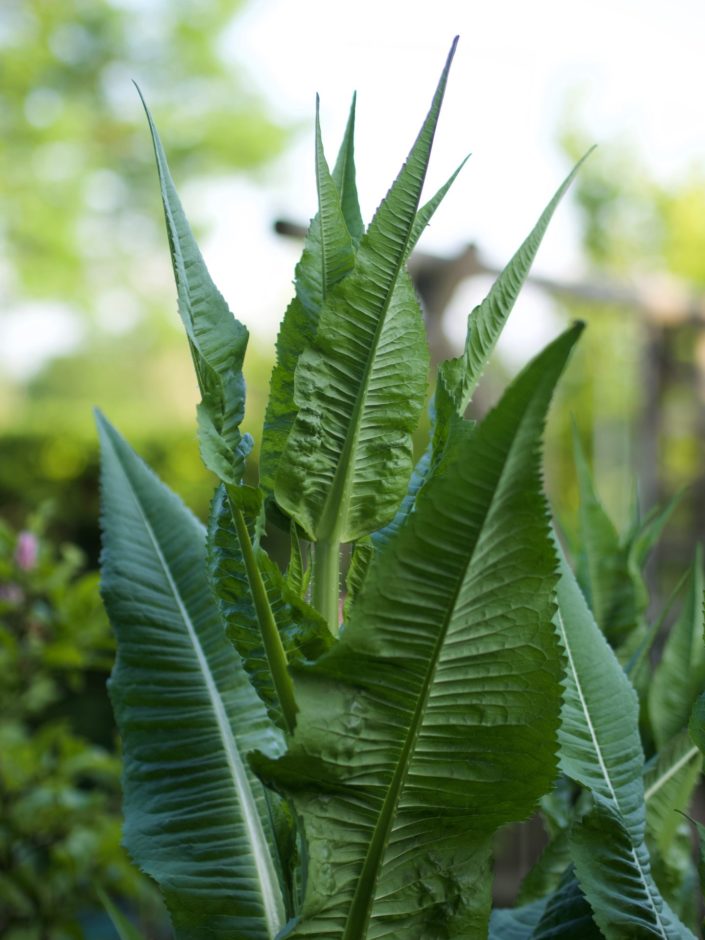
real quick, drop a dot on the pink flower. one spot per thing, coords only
(26, 551)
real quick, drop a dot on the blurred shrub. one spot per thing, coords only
(59, 791)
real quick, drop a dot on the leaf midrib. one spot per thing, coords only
(381, 834)
(274, 912)
(603, 769)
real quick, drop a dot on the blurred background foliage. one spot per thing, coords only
(59, 774)
(82, 258)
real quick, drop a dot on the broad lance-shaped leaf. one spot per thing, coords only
(680, 674)
(197, 821)
(600, 749)
(433, 720)
(301, 631)
(458, 378)
(217, 340)
(360, 387)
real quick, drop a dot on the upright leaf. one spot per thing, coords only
(360, 386)
(433, 720)
(680, 674)
(344, 179)
(197, 821)
(328, 256)
(670, 778)
(458, 378)
(601, 750)
(217, 340)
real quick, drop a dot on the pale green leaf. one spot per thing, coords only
(360, 386)
(458, 378)
(670, 778)
(359, 563)
(297, 575)
(344, 178)
(328, 256)
(196, 820)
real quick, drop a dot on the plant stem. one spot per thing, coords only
(273, 648)
(326, 581)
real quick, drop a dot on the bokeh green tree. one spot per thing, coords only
(81, 235)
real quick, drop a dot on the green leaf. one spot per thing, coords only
(567, 915)
(419, 475)
(344, 178)
(355, 578)
(297, 576)
(217, 340)
(360, 386)
(197, 821)
(516, 923)
(670, 778)
(433, 719)
(696, 725)
(600, 749)
(328, 256)
(268, 624)
(615, 876)
(427, 211)
(337, 254)
(680, 674)
(458, 378)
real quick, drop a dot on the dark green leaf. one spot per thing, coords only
(567, 915)
(197, 821)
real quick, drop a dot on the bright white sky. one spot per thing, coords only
(636, 64)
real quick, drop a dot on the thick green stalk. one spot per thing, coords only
(273, 648)
(326, 581)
